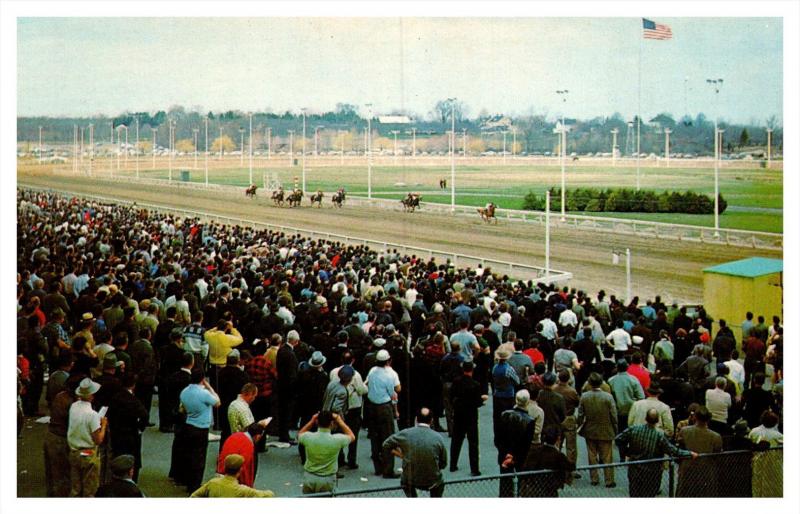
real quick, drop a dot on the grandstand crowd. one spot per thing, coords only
(261, 336)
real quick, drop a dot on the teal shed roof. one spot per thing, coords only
(748, 268)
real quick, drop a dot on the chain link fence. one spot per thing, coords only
(735, 474)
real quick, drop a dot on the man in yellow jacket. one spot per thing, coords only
(221, 340)
(227, 485)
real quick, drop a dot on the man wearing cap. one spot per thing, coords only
(626, 390)
(383, 386)
(552, 403)
(311, 385)
(227, 485)
(243, 443)
(597, 419)
(87, 429)
(513, 439)
(122, 484)
(466, 398)
(424, 456)
(639, 410)
(356, 389)
(322, 449)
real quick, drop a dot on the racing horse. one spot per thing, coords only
(339, 197)
(317, 198)
(277, 196)
(411, 202)
(487, 213)
(250, 192)
(294, 198)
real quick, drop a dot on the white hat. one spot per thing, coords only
(437, 307)
(293, 336)
(87, 387)
(383, 356)
(379, 342)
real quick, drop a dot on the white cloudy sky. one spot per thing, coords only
(81, 66)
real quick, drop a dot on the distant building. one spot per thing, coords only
(394, 119)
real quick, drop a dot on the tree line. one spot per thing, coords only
(625, 200)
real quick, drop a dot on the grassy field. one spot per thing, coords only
(755, 194)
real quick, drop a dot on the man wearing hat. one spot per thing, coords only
(122, 484)
(87, 429)
(86, 324)
(639, 410)
(356, 389)
(312, 382)
(383, 386)
(597, 419)
(513, 439)
(227, 485)
(504, 384)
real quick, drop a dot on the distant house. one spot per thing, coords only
(497, 122)
(394, 120)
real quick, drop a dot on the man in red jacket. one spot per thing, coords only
(243, 443)
(638, 370)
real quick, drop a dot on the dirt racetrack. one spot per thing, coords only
(670, 268)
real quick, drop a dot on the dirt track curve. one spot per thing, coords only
(670, 268)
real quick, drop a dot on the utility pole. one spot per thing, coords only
(667, 132)
(369, 152)
(614, 132)
(154, 130)
(206, 155)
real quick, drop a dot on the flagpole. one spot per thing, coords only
(639, 115)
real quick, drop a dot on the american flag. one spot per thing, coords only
(654, 30)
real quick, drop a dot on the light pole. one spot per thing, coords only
(667, 132)
(112, 132)
(241, 152)
(369, 151)
(413, 142)
(206, 154)
(137, 147)
(614, 132)
(291, 147)
(316, 139)
(81, 152)
(453, 156)
(119, 147)
(504, 147)
(194, 133)
(250, 149)
(341, 140)
(769, 147)
(126, 146)
(464, 143)
(395, 132)
(40, 144)
(220, 141)
(154, 130)
(91, 147)
(75, 149)
(304, 150)
(171, 145)
(716, 84)
(513, 143)
(269, 143)
(563, 94)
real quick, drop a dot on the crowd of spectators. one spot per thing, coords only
(231, 326)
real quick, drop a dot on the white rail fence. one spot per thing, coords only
(512, 269)
(658, 230)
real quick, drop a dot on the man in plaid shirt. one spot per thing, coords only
(194, 341)
(262, 374)
(644, 442)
